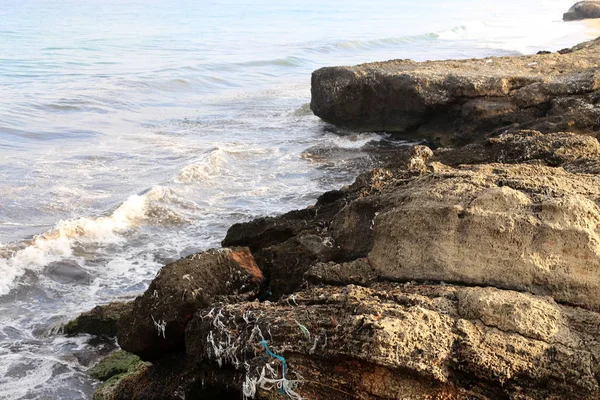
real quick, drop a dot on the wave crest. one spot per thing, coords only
(158, 206)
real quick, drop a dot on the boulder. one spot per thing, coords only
(156, 323)
(461, 101)
(101, 320)
(583, 10)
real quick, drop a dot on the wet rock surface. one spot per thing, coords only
(463, 272)
(456, 102)
(157, 319)
(101, 320)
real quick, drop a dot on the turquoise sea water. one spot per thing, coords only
(135, 132)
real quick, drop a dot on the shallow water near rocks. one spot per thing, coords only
(134, 133)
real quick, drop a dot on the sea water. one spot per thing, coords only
(133, 133)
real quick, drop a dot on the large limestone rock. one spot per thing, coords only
(521, 227)
(524, 226)
(583, 10)
(389, 341)
(449, 102)
(156, 322)
(491, 260)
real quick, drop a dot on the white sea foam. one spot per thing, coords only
(207, 170)
(215, 164)
(155, 207)
(355, 141)
(11, 388)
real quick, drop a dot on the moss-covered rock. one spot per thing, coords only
(112, 370)
(108, 390)
(117, 363)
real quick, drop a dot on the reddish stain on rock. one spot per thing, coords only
(245, 259)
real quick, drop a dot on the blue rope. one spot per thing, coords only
(264, 344)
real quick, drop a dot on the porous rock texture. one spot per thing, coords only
(466, 272)
(583, 10)
(387, 341)
(521, 227)
(457, 101)
(472, 281)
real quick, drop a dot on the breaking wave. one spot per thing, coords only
(159, 206)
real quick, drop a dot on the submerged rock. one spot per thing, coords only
(583, 10)
(454, 102)
(67, 272)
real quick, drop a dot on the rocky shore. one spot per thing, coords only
(466, 269)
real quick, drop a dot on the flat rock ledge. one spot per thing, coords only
(463, 272)
(460, 101)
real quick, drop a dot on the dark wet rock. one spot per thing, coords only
(157, 320)
(101, 320)
(455, 102)
(583, 10)
(339, 227)
(67, 272)
(285, 263)
(352, 228)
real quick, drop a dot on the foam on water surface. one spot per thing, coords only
(134, 133)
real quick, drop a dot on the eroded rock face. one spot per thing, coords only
(453, 102)
(521, 227)
(519, 240)
(553, 149)
(456, 273)
(416, 341)
(157, 320)
(583, 10)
